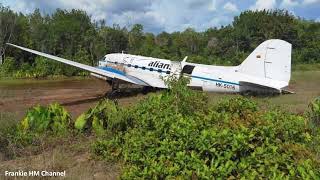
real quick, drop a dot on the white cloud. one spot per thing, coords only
(264, 4)
(308, 2)
(230, 7)
(213, 5)
(289, 3)
(167, 15)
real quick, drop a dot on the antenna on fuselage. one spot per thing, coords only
(185, 59)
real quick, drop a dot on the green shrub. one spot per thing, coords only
(40, 119)
(239, 106)
(39, 123)
(314, 112)
(43, 67)
(176, 134)
(314, 124)
(8, 67)
(106, 115)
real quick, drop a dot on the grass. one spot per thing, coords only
(7, 119)
(13, 81)
(306, 67)
(305, 84)
(70, 154)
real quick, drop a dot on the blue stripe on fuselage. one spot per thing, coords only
(216, 80)
(110, 69)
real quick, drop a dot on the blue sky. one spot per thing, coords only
(168, 15)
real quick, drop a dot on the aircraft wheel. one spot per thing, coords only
(146, 89)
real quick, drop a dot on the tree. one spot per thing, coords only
(136, 38)
(7, 24)
(114, 39)
(38, 29)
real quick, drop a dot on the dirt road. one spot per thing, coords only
(76, 95)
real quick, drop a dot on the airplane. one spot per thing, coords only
(266, 70)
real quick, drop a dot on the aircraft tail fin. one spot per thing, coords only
(271, 59)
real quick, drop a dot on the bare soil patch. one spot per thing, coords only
(77, 96)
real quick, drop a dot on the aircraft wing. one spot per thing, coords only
(107, 72)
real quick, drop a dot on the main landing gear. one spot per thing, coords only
(115, 84)
(121, 89)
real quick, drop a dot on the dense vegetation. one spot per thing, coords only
(74, 35)
(177, 133)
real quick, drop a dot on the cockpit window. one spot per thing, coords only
(103, 58)
(187, 69)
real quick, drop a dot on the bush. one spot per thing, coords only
(314, 123)
(8, 67)
(40, 119)
(314, 112)
(239, 106)
(106, 115)
(43, 67)
(176, 134)
(39, 123)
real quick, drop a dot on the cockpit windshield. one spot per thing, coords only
(102, 59)
(187, 69)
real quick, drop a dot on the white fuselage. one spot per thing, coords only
(153, 71)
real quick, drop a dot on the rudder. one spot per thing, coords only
(271, 59)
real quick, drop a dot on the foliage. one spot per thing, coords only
(7, 67)
(237, 106)
(40, 119)
(230, 139)
(43, 67)
(314, 113)
(181, 98)
(37, 126)
(105, 115)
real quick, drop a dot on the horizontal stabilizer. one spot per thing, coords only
(286, 91)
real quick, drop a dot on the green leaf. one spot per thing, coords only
(80, 122)
(97, 126)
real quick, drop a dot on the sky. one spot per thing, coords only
(168, 15)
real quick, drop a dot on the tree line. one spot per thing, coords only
(73, 34)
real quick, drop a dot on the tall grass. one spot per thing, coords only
(306, 67)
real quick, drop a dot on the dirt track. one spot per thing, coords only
(76, 95)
